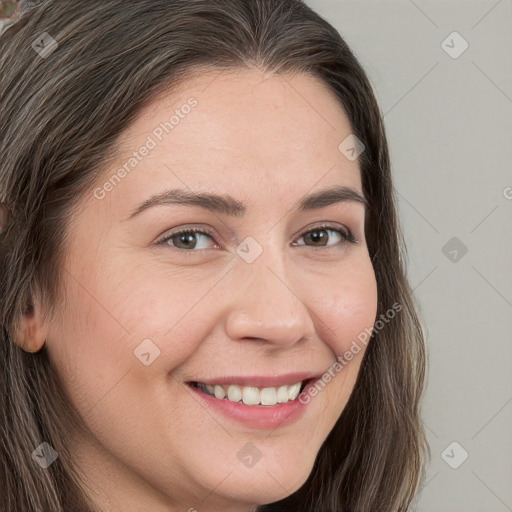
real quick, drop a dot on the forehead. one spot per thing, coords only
(240, 128)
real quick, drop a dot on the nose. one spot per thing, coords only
(264, 305)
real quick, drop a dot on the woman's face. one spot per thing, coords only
(261, 295)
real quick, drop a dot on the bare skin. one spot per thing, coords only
(296, 307)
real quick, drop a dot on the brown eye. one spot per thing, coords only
(186, 239)
(192, 239)
(320, 236)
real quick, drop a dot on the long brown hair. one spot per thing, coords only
(60, 117)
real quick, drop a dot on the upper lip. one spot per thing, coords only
(261, 381)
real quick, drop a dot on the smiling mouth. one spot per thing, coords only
(250, 395)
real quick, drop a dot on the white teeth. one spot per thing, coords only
(282, 394)
(234, 393)
(251, 395)
(268, 396)
(219, 392)
(293, 391)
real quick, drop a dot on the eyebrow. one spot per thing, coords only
(228, 205)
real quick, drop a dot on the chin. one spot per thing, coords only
(269, 484)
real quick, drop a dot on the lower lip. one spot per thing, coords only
(257, 416)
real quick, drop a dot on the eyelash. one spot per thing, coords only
(346, 235)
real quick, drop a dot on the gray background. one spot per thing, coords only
(449, 127)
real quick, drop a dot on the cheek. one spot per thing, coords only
(89, 346)
(177, 310)
(349, 308)
(173, 310)
(110, 310)
(154, 310)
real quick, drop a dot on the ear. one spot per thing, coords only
(33, 329)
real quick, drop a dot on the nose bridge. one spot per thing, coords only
(264, 304)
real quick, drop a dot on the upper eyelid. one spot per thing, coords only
(325, 225)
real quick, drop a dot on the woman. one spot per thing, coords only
(235, 146)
